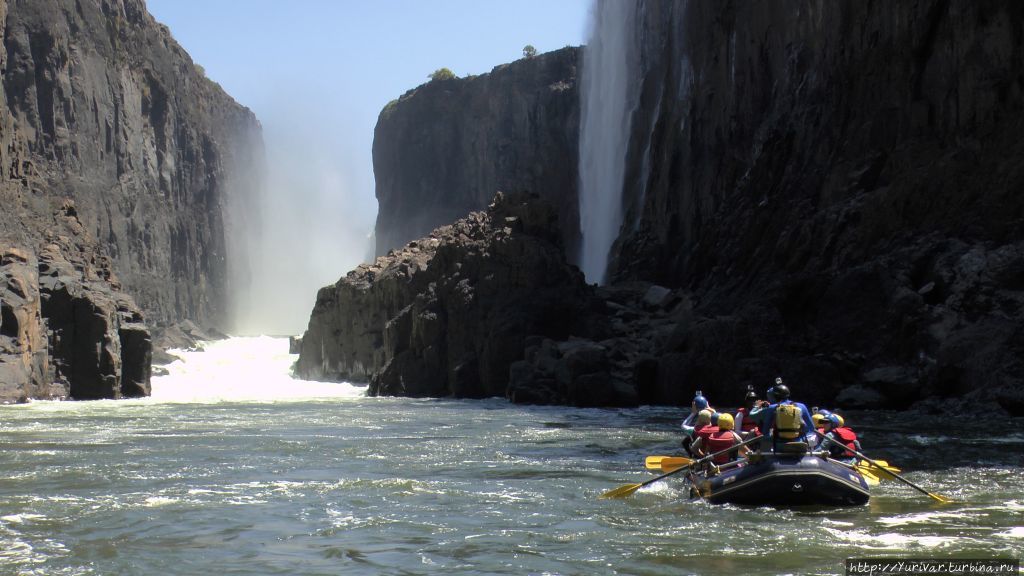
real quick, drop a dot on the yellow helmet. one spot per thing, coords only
(726, 422)
(841, 421)
(818, 419)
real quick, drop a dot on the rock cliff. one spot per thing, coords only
(830, 187)
(836, 184)
(448, 314)
(443, 149)
(119, 162)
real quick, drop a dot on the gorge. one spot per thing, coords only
(825, 195)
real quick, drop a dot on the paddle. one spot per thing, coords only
(937, 497)
(865, 468)
(666, 463)
(627, 489)
(870, 478)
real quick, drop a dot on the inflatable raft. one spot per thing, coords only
(787, 480)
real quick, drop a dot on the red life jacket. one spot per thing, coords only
(748, 424)
(848, 438)
(721, 440)
(704, 432)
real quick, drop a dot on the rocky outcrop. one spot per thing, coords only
(443, 149)
(67, 328)
(24, 361)
(836, 186)
(448, 314)
(116, 154)
(617, 368)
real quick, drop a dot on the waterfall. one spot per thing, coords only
(607, 97)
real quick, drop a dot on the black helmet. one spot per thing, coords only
(780, 391)
(751, 395)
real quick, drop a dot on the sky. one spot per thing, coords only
(317, 73)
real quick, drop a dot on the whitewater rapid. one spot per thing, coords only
(241, 369)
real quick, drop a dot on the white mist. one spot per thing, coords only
(310, 226)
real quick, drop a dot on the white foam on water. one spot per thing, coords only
(927, 517)
(891, 540)
(1016, 532)
(21, 518)
(254, 368)
(157, 501)
(928, 440)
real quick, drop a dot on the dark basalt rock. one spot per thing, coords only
(444, 148)
(838, 190)
(447, 315)
(100, 105)
(106, 123)
(68, 329)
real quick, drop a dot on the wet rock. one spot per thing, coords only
(860, 397)
(658, 297)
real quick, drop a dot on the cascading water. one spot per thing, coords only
(607, 99)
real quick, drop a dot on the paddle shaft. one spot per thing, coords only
(695, 463)
(880, 467)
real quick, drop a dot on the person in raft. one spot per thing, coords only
(745, 423)
(722, 439)
(840, 439)
(702, 428)
(819, 417)
(690, 423)
(788, 421)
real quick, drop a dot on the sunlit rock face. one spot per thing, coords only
(838, 185)
(444, 148)
(123, 169)
(108, 110)
(447, 314)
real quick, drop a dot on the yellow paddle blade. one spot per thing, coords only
(870, 478)
(941, 498)
(666, 463)
(884, 472)
(654, 462)
(622, 491)
(887, 466)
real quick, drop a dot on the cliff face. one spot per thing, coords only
(110, 111)
(447, 315)
(443, 149)
(837, 185)
(118, 160)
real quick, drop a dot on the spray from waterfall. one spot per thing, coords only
(607, 99)
(307, 227)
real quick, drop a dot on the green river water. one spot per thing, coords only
(233, 468)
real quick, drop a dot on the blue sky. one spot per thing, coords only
(318, 72)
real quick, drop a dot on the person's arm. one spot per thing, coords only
(808, 421)
(739, 421)
(687, 425)
(737, 439)
(698, 447)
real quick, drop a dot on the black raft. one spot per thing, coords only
(787, 480)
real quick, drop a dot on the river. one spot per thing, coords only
(234, 468)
